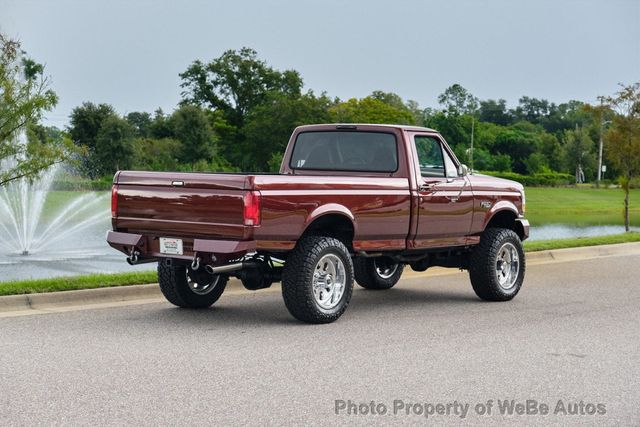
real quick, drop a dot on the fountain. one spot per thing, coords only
(28, 228)
(25, 226)
(47, 233)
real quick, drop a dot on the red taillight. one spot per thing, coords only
(252, 208)
(114, 201)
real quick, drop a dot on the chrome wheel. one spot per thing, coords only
(507, 266)
(203, 283)
(329, 280)
(385, 268)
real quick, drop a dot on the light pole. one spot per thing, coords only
(602, 123)
(472, 129)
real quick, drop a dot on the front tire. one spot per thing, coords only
(317, 280)
(497, 265)
(187, 288)
(377, 273)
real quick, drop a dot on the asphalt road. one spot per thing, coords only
(572, 335)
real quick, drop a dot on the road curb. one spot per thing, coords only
(43, 301)
(55, 301)
(585, 252)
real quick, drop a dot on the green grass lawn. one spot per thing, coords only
(77, 282)
(580, 206)
(58, 200)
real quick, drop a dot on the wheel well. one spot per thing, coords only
(506, 219)
(334, 225)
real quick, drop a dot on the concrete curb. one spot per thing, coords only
(585, 252)
(119, 295)
(47, 300)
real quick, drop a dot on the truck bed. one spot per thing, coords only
(212, 206)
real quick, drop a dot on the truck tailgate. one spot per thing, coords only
(187, 205)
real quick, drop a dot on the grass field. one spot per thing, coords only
(58, 200)
(77, 282)
(580, 206)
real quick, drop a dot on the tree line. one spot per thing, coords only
(236, 114)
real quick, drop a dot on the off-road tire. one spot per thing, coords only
(174, 286)
(483, 263)
(367, 275)
(297, 279)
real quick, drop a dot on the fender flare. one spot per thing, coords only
(501, 206)
(330, 209)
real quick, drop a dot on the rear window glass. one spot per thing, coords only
(345, 151)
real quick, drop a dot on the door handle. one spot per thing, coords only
(427, 186)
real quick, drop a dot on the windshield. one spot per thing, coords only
(345, 151)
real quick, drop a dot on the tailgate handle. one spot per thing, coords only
(177, 183)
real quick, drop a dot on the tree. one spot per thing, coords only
(457, 100)
(455, 128)
(370, 110)
(24, 96)
(190, 126)
(140, 123)
(113, 150)
(235, 83)
(160, 126)
(494, 112)
(536, 163)
(518, 144)
(84, 127)
(578, 152)
(532, 109)
(389, 98)
(552, 150)
(269, 126)
(623, 137)
(156, 154)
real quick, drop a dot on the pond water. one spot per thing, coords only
(79, 253)
(566, 231)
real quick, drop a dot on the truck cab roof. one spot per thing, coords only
(362, 126)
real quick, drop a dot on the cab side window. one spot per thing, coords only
(430, 157)
(435, 161)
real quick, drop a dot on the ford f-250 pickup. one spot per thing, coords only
(350, 202)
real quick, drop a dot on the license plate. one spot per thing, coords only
(170, 246)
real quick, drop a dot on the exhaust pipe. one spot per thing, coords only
(225, 268)
(137, 261)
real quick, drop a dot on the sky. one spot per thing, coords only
(129, 53)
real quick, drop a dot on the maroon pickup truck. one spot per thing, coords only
(350, 202)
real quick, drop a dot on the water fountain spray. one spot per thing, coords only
(23, 228)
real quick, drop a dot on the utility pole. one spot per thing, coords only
(600, 145)
(601, 142)
(471, 154)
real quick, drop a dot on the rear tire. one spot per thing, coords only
(497, 265)
(317, 280)
(377, 273)
(187, 288)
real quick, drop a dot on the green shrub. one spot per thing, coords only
(542, 179)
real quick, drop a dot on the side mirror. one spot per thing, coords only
(463, 170)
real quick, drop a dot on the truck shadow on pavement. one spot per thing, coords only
(269, 309)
